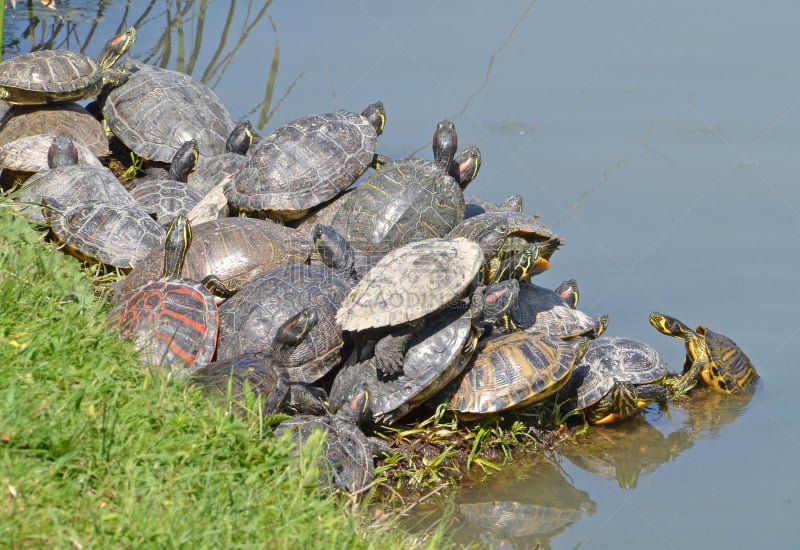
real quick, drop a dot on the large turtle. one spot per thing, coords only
(410, 199)
(347, 461)
(157, 110)
(511, 371)
(30, 154)
(713, 357)
(407, 284)
(265, 374)
(50, 76)
(617, 377)
(61, 118)
(235, 250)
(436, 354)
(173, 320)
(306, 162)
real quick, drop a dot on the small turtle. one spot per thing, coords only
(511, 371)
(61, 118)
(265, 374)
(407, 284)
(157, 110)
(540, 309)
(118, 235)
(347, 461)
(28, 155)
(437, 353)
(49, 76)
(410, 199)
(235, 250)
(173, 320)
(617, 378)
(306, 162)
(216, 169)
(714, 358)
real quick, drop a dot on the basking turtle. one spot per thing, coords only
(235, 250)
(157, 110)
(410, 199)
(617, 378)
(436, 354)
(407, 284)
(69, 182)
(28, 155)
(214, 170)
(478, 205)
(173, 320)
(166, 196)
(118, 235)
(61, 118)
(540, 309)
(715, 358)
(250, 319)
(265, 374)
(347, 461)
(512, 370)
(306, 162)
(49, 76)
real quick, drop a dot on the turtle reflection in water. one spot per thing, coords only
(627, 451)
(526, 506)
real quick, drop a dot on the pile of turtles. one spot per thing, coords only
(342, 287)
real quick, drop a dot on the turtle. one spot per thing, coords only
(157, 110)
(539, 309)
(173, 320)
(166, 196)
(512, 371)
(117, 235)
(518, 230)
(50, 76)
(410, 199)
(69, 182)
(306, 162)
(214, 170)
(70, 119)
(28, 155)
(235, 250)
(264, 373)
(617, 377)
(478, 205)
(437, 353)
(410, 282)
(713, 357)
(250, 318)
(347, 461)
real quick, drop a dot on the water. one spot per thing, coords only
(658, 138)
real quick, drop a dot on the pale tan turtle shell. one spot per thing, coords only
(410, 282)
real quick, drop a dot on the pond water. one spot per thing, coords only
(659, 139)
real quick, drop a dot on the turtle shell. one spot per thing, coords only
(540, 309)
(250, 319)
(29, 154)
(63, 118)
(118, 235)
(302, 164)
(164, 199)
(410, 200)
(232, 249)
(512, 370)
(411, 282)
(612, 359)
(174, 323)
(157, 110)
(730, 369)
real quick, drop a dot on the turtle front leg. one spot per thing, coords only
(390, 351)
(688, 380)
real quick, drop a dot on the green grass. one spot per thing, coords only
(96, 452)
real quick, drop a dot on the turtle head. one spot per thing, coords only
(62, 152)
(375, 113)
(333, 249)
(569, 291)
(184, 161)
(355, 407)
(668, 325)
(295, 329)
(116, 48)
(520, 265)
(240, 138)
(176, 244)
(445, 144)
(491, 303)
(465, 166)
